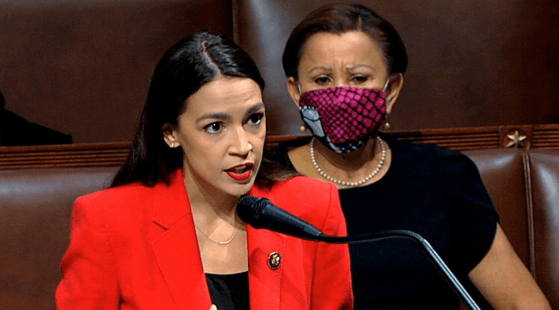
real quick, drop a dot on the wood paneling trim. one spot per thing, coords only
(72, 155)
(545, 137)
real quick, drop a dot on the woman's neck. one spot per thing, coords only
(356, 166)
(210, 204)
(351, 161)
(222, 237)
(208, 211)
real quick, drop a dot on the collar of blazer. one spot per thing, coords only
(177, 252)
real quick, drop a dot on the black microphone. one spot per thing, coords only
(262, 213)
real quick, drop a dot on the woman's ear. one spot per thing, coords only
(170, 135)
(393, 91)
(293, 90)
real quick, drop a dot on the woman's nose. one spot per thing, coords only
(241, 144)
(340, 83)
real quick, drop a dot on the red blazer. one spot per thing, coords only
(135, 247)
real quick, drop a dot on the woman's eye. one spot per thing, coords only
(359, 79)
(322, 80)
(213, 127)
(256, 119)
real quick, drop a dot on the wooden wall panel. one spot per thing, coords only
(544, 137)
(83, 67)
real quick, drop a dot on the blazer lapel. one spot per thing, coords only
(264, 281)
(176, 250)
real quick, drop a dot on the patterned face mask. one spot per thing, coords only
(343, 118)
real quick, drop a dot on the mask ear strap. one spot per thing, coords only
(386, 85)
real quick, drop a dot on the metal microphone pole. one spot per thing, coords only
(433, 256)
(261, 213)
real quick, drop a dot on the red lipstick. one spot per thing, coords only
(240, 172)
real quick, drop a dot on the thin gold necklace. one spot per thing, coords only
(226, 242)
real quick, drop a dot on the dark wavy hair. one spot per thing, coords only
(341, 18)
(189, 64)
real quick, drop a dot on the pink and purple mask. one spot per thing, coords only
(343, 118)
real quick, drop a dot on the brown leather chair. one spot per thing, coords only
(524, 187)
(35, 208)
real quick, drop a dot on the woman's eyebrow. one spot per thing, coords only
(255, 108)
(217, 115)
(320, 68)
(225, 116)
(359, 66)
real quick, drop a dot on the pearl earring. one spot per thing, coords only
(386, 126)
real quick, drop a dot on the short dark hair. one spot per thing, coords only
(189, 64)
(341, 18)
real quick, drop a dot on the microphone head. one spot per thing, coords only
(249, 209)
(262, 213)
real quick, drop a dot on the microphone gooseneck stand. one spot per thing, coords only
(426, 247)
(261, 213)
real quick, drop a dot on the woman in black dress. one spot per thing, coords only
(345, 68)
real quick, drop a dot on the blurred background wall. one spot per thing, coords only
(83, 67)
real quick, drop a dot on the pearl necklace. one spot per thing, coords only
(344, 183)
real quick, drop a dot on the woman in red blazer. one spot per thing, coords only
(166, 235)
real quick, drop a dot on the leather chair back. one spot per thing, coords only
(35, 210)
(524, 187)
